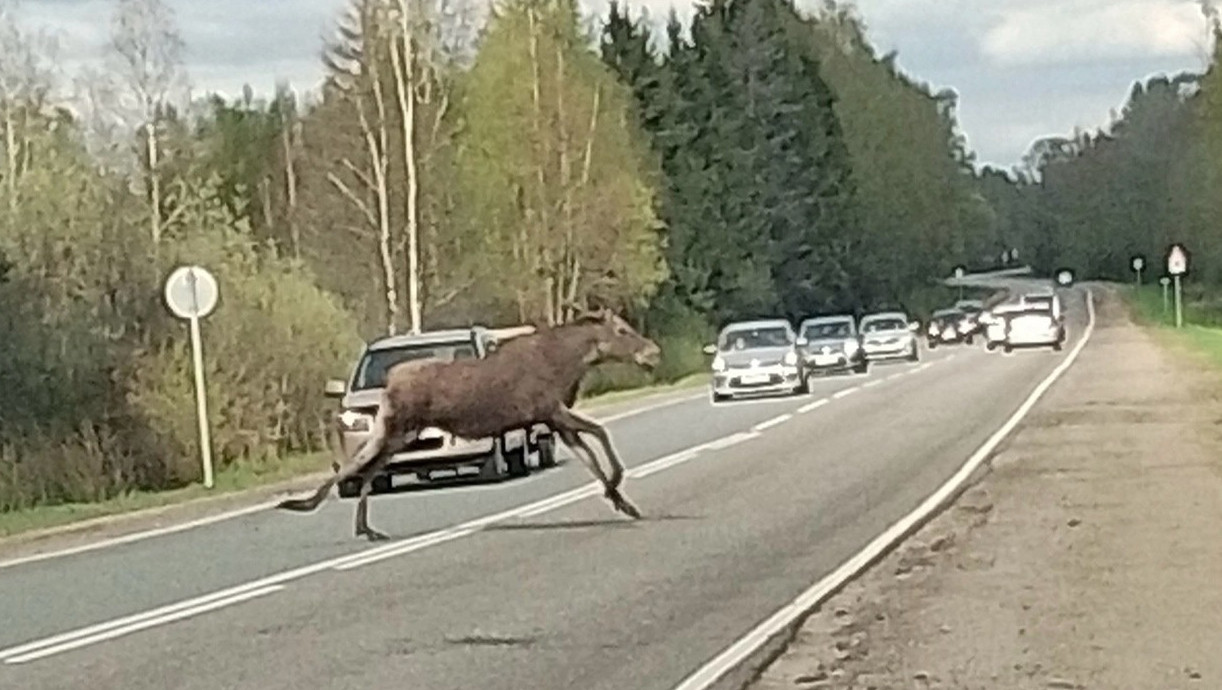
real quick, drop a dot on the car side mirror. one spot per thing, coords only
(335, 388)
(801, 341)
(914, 326)
(710, 349)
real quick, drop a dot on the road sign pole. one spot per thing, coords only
(191, 294)
(201, 402)
(1179, 304)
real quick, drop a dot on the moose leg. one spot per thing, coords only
(362, 527)
(372, 448)
(584, 452)
(570, 424)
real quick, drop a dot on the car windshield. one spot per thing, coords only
(751, 338)
(947, 315)
(371, 372)
(886, 324)
(828, 329)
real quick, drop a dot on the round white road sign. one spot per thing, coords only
(191, 292)
(1138, 263)
(1177, 261)
(1164, 281)
(1065, 276)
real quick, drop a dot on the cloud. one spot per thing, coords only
(1023, 68)
(1059, 32)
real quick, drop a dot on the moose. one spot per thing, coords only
(529, 379)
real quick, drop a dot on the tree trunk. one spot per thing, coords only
(154, 180)
(540, 262)
(288, 132)
(586, 163)
(10, 153)
(404, 65)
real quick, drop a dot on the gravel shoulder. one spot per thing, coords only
(1088, 557)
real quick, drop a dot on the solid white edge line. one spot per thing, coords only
(172, 612)
(249, 510)
(731, 657)
(137, 536)
(141, 625)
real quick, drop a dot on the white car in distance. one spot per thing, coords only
(1032, 325)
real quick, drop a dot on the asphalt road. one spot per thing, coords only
(746, 504)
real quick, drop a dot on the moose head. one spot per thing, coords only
(616, 340)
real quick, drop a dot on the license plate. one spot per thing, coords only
(822, 360)
(755, 378)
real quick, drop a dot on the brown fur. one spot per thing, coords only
(530, 379)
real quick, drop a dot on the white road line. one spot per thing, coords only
(775, 421)
(166, 614)
(137, 536)
(811, 407)
(896, 375)
(241, 512)
(871, 384)
(845, 393)
(78, 641)
(734, 655)
(649, 408)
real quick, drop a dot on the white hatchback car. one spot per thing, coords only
(1032, 325)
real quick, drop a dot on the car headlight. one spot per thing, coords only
(351, 420)
(933, 329)
(850, 347)
(791, 359)
(719, 364)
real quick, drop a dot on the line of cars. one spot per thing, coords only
(1033, 318)
(770, 356)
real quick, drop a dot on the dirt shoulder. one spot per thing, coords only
(1087, 558)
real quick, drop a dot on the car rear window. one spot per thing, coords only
(373, 367)
(829, 329)
(884, 325)
(750, 338)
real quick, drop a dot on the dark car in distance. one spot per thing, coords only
(948, 327)
(832, 344)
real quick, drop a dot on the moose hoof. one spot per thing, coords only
(372, 534)
(622, 504)
(294, 504)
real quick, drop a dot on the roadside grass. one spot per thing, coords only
(229, 481)
(1201, 336)
(248, 476)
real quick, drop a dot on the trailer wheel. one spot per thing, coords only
(495, 468)
(515, 460)
(547, 451)
(349, 488)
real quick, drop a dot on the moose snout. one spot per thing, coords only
(650, 357)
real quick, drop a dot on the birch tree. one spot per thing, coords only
(356, 61)
(555, 167)
(26, 77)
(144, 82)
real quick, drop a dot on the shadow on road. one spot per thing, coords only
(615, 522)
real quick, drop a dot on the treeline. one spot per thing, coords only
(1148, 178)
(454, 168)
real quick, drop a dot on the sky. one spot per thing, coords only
(1023, 68)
